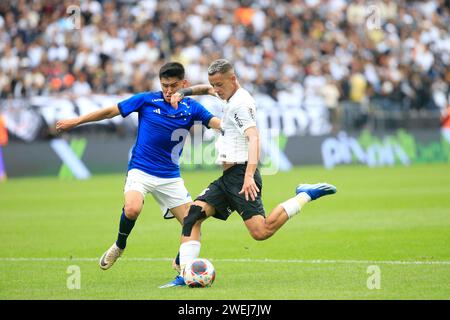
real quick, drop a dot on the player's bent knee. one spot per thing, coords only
(132, 211)
(193, 217)
(259, 235)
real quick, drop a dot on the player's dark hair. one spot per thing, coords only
(172, 69)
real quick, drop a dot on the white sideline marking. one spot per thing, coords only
(242, 260)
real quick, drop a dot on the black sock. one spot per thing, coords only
(125, 227)
(177, 259)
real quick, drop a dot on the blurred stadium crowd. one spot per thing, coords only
(394, 54)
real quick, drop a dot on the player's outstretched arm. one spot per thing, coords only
(198, 90)
(106, 113)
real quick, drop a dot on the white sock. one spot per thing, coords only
(188, 251)
(294, 205)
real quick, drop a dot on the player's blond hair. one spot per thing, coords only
(220, 66)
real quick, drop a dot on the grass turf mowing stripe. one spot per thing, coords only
(317, 261)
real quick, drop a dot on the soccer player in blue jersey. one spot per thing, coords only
(153, 167)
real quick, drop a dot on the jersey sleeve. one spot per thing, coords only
(243, 117)
(131, 104)
(200, 113)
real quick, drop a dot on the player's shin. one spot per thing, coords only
(295, 204)
(125, 227)
(189, 250)
(190, 238)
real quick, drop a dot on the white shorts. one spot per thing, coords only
(168, 192)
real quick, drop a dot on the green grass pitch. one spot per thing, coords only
(396, 219)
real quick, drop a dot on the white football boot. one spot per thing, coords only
(110, 256)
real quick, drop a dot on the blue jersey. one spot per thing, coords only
(158, 144)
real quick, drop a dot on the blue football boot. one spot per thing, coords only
(177, 282)
(317, 190)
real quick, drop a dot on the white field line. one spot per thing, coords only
(320, 261)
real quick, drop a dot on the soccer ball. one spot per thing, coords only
(199, 273)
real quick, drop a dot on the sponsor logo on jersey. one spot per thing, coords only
(252, 113)
(238, 121)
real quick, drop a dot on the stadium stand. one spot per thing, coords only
(378, 64)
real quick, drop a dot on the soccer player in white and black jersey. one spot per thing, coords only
(239, 188)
